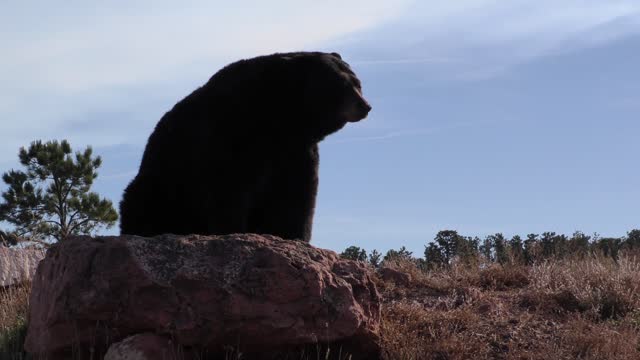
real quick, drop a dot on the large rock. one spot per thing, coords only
(254, 293)
(18, 265)
(394, 275)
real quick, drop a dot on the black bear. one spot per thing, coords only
(240, 154)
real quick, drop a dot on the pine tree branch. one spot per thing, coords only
(52, 222)
(77, 225)
(37, 241)
(72, 217)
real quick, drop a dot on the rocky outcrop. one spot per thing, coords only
(18, 265)
(395, 276)
(256, 294)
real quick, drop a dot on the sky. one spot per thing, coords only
(488, 116)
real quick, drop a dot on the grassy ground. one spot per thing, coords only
(580, 309)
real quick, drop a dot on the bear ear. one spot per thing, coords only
(336, 55)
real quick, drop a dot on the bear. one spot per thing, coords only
(240, 153)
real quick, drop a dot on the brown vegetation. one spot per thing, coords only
(561, 309)
(14, 303)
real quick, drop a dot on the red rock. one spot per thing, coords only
(395, 276)
(142, 347)
(255, 293)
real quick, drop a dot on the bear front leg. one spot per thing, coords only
(288, 199)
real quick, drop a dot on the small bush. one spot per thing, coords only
(499, 277)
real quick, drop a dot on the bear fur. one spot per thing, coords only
(240, 154)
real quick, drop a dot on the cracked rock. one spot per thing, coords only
(255, 293)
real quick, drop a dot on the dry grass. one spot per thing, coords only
(410, 331)
(564, 309)
(601, 287)
(14, 303)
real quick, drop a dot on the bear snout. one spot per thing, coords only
(359, 109)
(365, 106)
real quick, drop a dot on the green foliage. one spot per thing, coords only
(375, 258)
(578, 244)
(486, 249)
(354, 253)
(448, 246)
(633, 239)
(516, 249)
(448, 242)
(8, 239)
(434, 256)
(609, 246)
(52, 198)
(12, 340)
(531, 248)
(403, 253)
(499, 244)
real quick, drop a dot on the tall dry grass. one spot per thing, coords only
(599, 286)
(14, 304)
(585, 308)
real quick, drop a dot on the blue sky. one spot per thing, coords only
(489, 116)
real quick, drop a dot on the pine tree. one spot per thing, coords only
(51, 199)
(375, 258)
(354, 253)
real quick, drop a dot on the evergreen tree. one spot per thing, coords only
(547, 244)
(375, 258)
(354, 253)
(403, 253)
(516, 248)
(448, 242)
(434, 256)
(486, 249)
(578, 244)
(51, 199)
(531, 248)
(633, 239)
(499, 245)
(609, 246)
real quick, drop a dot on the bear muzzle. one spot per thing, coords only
(358, 109)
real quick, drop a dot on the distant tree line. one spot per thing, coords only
(449, 247)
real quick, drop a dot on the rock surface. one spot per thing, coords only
(18, 265)
(396, 276)
(254, 293)
(142, 347)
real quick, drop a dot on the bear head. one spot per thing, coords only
(331, 95)
(298, 97)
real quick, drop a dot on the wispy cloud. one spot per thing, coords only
(486, 37)
(405, 133)
(87, 46)
(120, 67)
(386, 136)
(404, 61)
